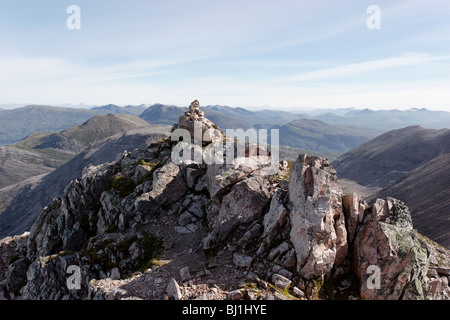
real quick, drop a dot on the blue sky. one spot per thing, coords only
(276, 54)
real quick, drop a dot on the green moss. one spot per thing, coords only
(123, 185)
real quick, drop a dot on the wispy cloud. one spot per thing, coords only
(406, 60)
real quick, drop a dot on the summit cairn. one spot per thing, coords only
(196, 118)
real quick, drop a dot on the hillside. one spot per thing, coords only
(425, 190)
(385, 120)
(390, 156)
(318, 136)
(18, 123)
(25, 206)
(41, 153)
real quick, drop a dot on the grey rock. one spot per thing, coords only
(242, 260)
(173, 290)
(281, 281)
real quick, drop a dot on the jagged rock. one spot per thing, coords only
(318, 231)
(386, 241)
(168, 187)
(354, 212)
(275, 219)
(241, 205)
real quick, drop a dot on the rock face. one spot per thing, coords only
(144, 227)
(318, 231)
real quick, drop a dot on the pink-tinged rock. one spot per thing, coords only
(318, 231)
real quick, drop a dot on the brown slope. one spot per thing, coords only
(390, 156)
(426, 191)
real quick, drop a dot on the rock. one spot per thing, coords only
(173, 290)
(242, 260)
(140, 172)
(16, 275)
(194, 120)
(168, 187)
(185, 218)
(185, 274)
(235, 295)
(298, 293)
(281, 281)
(275, 219)
(241, 205)
(386, 241)
(353, 208)
(280, 249)
(318, 231)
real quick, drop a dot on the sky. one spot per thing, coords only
(290, 55)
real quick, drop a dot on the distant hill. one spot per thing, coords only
(390, 156)
(321, 137)
(18, 123)
(41, 153)
(24, 207)
(385, 120)
(425, 190)
(112, 108)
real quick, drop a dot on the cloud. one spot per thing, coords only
(409, 59)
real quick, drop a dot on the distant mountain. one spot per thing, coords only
(321, 137)
(24, 207)
(166, 114)
(112, 108)
(385, 120)
(260, 117)
(18, 123)
(162, 114)
(425, 190)
(41, 153)
(390, 156)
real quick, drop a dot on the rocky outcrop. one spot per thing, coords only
(145, 227)
(398, 255)
(318, 231)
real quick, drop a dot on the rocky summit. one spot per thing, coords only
(146, 227)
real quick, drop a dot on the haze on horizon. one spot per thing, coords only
(253, 54)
